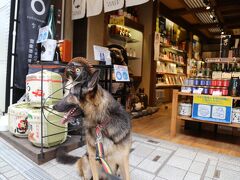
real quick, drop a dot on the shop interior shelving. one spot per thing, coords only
(222, 60)
(175, 117)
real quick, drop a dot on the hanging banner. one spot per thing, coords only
(212, 108)
(112, 5)
(135, 2)
(32, 16)
(94, 7)
(78, 9)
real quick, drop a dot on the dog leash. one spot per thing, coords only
(100, 151)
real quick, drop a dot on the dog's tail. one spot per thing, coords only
(64, 158)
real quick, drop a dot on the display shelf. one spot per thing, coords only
(133, 58)
(175, 116)
(172, 48)
(123, 38)
(222, 60)
(167, 85)
(187, 118)
(171, 61)
(169, 73)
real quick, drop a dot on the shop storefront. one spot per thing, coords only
(182, 67)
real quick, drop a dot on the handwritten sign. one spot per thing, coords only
(212, 108)
(78, 9)
(121, 73)
(112, 5)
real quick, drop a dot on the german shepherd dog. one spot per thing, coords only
(100, 109)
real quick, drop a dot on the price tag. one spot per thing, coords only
(43, 34)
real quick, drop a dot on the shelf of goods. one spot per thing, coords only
(222, 60)
(175, 117)
(128, 34)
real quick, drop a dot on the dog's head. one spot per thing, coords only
(81, 92)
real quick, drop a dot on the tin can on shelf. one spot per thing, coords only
(207, 72)
(214, 82)
(225, 82)
(219, 82)
(205, 90)
(225, 91)
(191, 82)
(196, 82)
(202, 82)
(208, 82)
(211, 89)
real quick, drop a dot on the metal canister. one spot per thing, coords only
(205, 90)
(208, 82)
(224, 91)
(225, 82)
(207, 72)
(202, 82)
(219, 82)
(214, 82)
(196, 82)
(211, 89)
(191, 82)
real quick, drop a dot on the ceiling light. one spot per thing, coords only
(208, 7)
(211, 16)
(222, 32)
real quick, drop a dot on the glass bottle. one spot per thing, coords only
(51, 23)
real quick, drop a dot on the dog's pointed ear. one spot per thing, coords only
(94, 80)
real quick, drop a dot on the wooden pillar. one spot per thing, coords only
(173, 128)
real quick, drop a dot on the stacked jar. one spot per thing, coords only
(220, 85)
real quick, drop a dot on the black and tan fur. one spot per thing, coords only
(98, 107)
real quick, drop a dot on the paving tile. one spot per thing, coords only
(142, 150)
(11, 173)
(179, 162)
(171, 173)
(228, 166)
(162, 155)
(203, 157)
(210, 171)
(186, 153)
(66, 168)
(5, 169)
(2, 164)
(47, 165)
(169, 146)
(75, 174)
(135, 160)
(56, 172)
(213, 162)
(192, 176)
(197, 167)
(226, 174)
(149, 165)
(165, 150)
(158, 178)
(2, 177)
(18, 177)
(69, 177)
(141, 175)
(207, 178)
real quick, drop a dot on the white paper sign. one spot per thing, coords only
(49, 50)
(121, 73)
(111, 5)
(78, 9)
(102, 54)
(156, 46)
(135, 2)
(94, 7)
(42, 34)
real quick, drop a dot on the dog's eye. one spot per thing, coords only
(78, 70)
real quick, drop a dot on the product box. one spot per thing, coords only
(51, 91)
(236, 115)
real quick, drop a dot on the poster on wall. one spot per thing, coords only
(212, 108)
(78, 9)
(111, 5)
(32, 16)
(94, 7)
(135, 2)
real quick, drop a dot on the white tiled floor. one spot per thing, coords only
(149, 160)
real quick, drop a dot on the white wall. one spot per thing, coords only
(4, 32)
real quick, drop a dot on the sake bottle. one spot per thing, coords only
(51, 23)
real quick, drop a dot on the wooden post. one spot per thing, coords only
(173, 127)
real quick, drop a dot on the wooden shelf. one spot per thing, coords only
(172, 48)
(161, 73)
(171, 61)
(236, 125)
(222, 60)
(167, 85)
(123, 38)
(133, 58)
